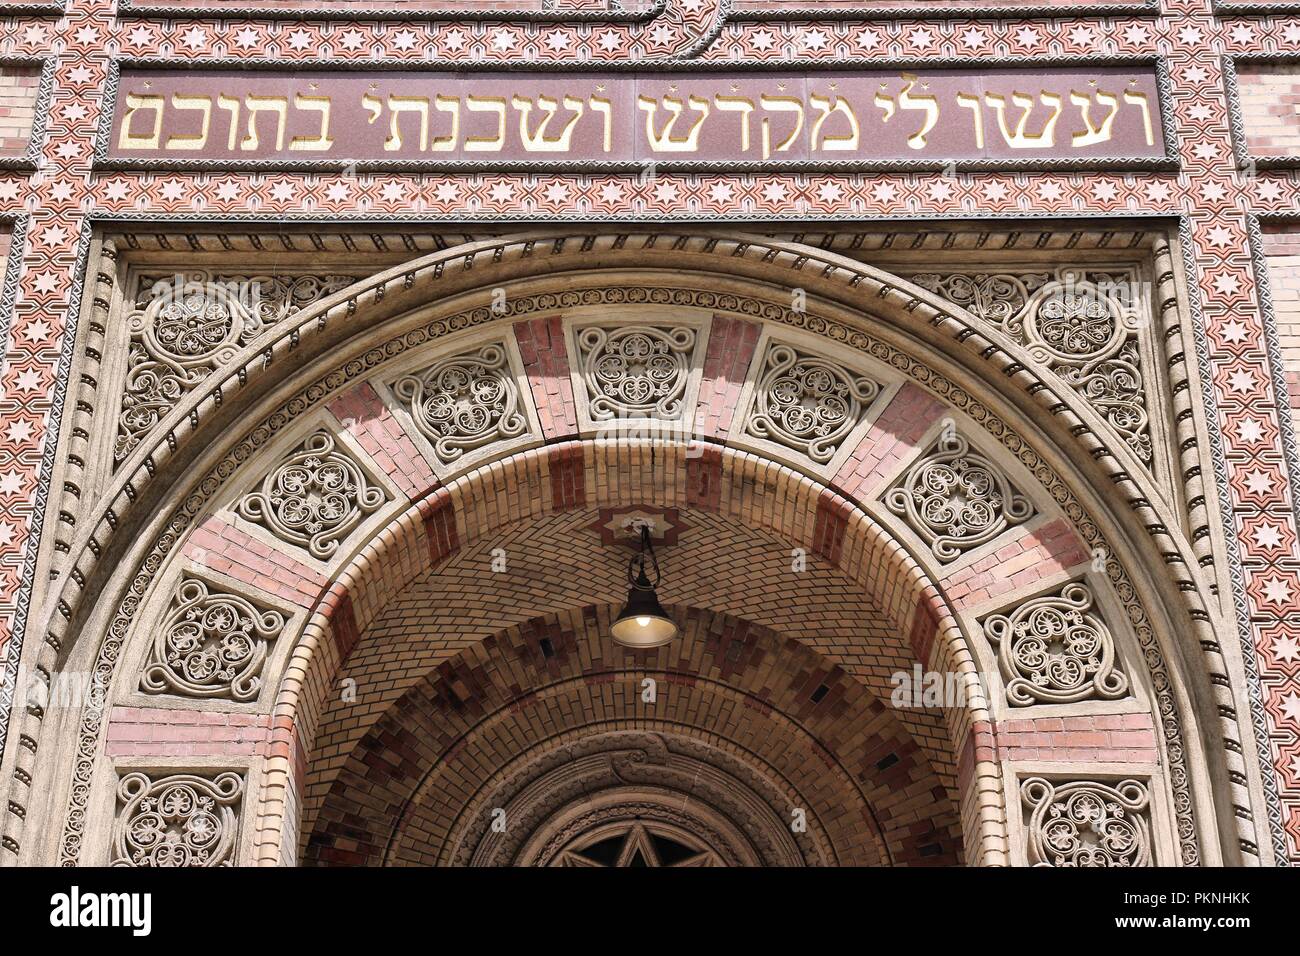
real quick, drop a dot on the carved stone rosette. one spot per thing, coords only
(177, 340)
(212, 644)
(956, 499)
(464, 402)
(178, 820)
(184, 327)
(1086, 823)
(1074, 326)
(806, 402)
(314, 497)
(1052, 650)
(635, 371)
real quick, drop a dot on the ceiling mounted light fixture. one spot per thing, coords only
(643, 622)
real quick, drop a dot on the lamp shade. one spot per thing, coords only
(643, 621)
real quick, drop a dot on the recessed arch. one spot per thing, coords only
(865, 615)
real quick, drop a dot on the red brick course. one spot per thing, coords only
(925, 626)
(167, 732)
(730, 350)
(568, 477)
(439, 514)
(829, 527)
(1282, 251)
(704, 478)
(891, 440)
(221, 546)
(1101, 738)
(376, 430)
(546, 363)
(1031, 556)
(18, 89)
(1269, 96)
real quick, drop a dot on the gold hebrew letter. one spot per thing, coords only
(447, 104)
(1093, 134)
(824, 106)
(1020, 139)
(135, 102)
(321, 141)
(969, 101)
(600, 104)
(780, 104)
(1139, 100)
(907, 100)
(487, 104)
(397, 105)
(196, 141)
(664, 142)
(538, 141)
(231, 105)
(737, 104)
(278, 105)
(884, 102)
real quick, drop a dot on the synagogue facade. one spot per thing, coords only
(673, 433)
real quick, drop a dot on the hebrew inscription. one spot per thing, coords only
(237, 117)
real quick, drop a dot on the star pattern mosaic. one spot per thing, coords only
(50, 212)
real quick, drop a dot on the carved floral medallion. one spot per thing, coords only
(1086, 823)
(955, 499)
(806, 402)
(314, 497)
(1055, 649)
(635, 371)
(211, 644)
(464, 402)
(178, 820)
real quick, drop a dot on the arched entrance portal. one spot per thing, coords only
(411, 494)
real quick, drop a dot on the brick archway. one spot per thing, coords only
(325, 363)
(546, 721)
(829, 637)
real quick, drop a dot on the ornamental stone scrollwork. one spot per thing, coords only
(464, 402)
(1081, 325)
(184, 327)
(211, 644)
(1052, 649)
(955, 499)
(178, 820)
(997, 298)
(1085, 823)
(635, 371)
(806, 402)
(314, 497)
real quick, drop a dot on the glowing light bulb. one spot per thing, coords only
(643, 621)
